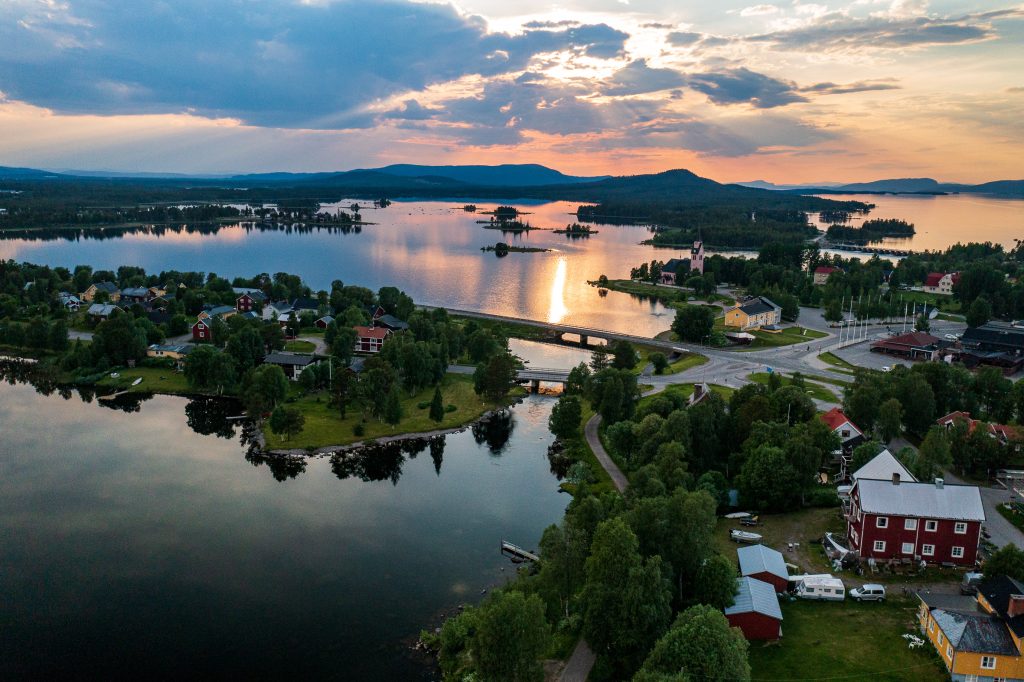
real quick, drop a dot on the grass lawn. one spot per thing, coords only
(154, 380)
(324, 427)
(828, 640)
(684, 362)
(787, 337)
(838, 362)
(1014, 517)
(506, 329)
(604, 481)
(816, 391)
(300, 346)
(943, 303)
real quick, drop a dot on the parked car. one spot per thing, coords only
(872, 592)
(952, 337)
(970, 583)
(887, 368)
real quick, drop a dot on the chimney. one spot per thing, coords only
(1015, 606)
(895, 478)
(939, 483)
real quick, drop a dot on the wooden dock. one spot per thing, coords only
(517, 553)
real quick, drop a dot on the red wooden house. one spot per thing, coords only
(764, 564)
(202, 330)
(755, 610)
(896, 520)
(370, 339)
(250, 300)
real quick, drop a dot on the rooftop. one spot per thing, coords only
(997, 592)
(882, 467)
(975, 632)
(924, 500)
(755, 596)
(761, 559)
(836, 418)
(295, 359)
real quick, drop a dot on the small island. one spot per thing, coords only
(502, 249)
(576, 230)
(872, 231)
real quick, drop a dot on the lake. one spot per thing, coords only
(135, 546)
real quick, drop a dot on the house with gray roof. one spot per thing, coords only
(754, 313)
(755, 610)
(764, 564)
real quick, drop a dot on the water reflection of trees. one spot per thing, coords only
(494, 431)
(383, 461)
(211, 416)
(203, 229)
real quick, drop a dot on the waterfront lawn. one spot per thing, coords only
(324, 426)
(816, 391)
(154, 380)
(300, 346)
(822, 640)
(505, 329)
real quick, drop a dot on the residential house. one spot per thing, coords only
(883, 467)
(356, 365)
(391, 322)
(98, 312)
(676, 270)
(291, 363)
(177, 352)
(370, 339)
(983, 643)
(911, 346)
(158, 316)
(324, 322)
(305, 304)
(941, 282)
(1002, 433)
(276, 310)
(250, 315)
(850, 436)
(755, 610)
(754, 313)
(158, 291)
(375, 312)
(910, 521)
(140, 295)
(221, 311)
(249, 299)
(822, 273)
(202, 329)
(764, 564)
(113, 293)
(70, 302)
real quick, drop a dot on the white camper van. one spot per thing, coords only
(822, 587)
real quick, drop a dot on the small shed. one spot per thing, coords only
(324, 322)
(756, 610)
(765, 564)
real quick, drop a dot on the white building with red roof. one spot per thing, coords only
(370, 339)
(822, 273)
(849, 434)
(941, 282)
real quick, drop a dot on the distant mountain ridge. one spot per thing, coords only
(504, 175)
(1011, 189)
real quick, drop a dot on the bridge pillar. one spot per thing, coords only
(535, 386)
(584, 340)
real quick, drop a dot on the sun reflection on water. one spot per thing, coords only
(557, 309)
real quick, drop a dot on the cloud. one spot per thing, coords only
(759, 10)
(828, 88)
(637, 78)
(734, 86)
(894, 29)
(684, 38)
(278, 63)
(1015, 89)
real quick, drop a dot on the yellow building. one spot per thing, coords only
(980, 645)
(753, 314)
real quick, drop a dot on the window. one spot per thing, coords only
(960, 528)
(970, 678)
(910, 524)
(879, 545)
(988, 662)
(882, 522)
(931, 626)
(958, 552)
(949, 652)
(908, 548)
(928, 550)
(931, 526)
(940, 638)
(846, 433)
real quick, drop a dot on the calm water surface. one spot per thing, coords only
(133, 546)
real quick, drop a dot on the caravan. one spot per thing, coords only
(823, 587)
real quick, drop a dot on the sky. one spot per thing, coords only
(788, 91)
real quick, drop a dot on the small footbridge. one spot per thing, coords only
(535, 375)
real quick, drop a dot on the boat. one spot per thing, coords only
(743, 536)
(137, 381)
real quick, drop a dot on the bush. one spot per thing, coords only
(822, 497)
(358, 429)
(423, 404)
(450, 408)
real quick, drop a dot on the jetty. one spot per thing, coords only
(517, 553)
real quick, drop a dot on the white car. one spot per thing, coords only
(887, 368)
(871, 592)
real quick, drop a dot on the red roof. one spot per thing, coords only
(835, 418)
(825, 270)
(933, 278)
(372, 332)
(1001, 431)
(910, 340)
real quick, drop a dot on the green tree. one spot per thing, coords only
(768, 481)
(979, 313)
(833, 311)
(1007, 560)
(890, 419)
(511, 637)
(437, 406)
(694, 323)
(343, 344)
(207, 368)
(700, 646)
(393, 406)
(623, 355)
(921, 324)
(626, 599)
(934, 455)
(659, 361)
(599, 359)
(716, 582)
(494, 378)
(265, 388)
(287, 422)
(565, 417)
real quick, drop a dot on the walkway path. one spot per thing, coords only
(619, 479)
(577, 669)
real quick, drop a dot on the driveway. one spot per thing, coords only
(1002, 532)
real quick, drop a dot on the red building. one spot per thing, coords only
(755, 610)
(247, 302)
(764, 564)
(897, 520)
(202, 331)
(370, 339)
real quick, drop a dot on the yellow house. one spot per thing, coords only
(753, 314)
(984, 644)
(113, 293)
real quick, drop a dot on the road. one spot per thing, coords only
(1000, 530)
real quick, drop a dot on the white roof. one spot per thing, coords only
(757, 596)
(882, 467)
(761, 559)
(921, 500)
(819, 580)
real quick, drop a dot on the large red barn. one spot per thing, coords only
(756, 610)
